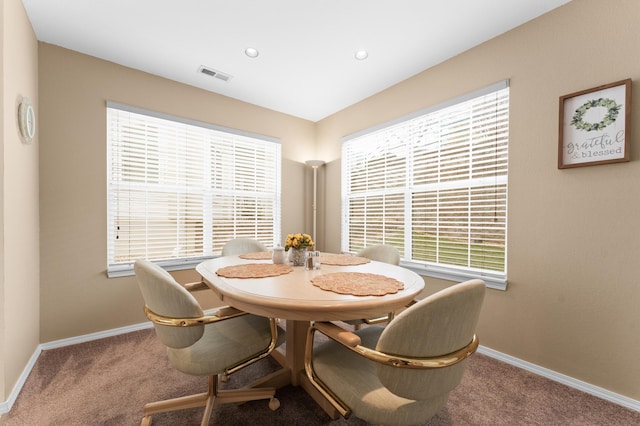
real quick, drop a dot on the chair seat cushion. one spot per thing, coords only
(358, 385)
(224, 344)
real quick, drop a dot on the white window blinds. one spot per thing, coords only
(178, 190)
(435, 186)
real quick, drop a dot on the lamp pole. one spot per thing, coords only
(315, 164)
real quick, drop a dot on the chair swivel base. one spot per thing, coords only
(210, 399)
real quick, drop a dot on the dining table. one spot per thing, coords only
(343, 287)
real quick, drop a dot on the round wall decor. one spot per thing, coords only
(27, 120)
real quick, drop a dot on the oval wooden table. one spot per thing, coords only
(293, 297)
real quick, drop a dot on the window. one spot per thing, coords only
(434, 185)
(178, 189)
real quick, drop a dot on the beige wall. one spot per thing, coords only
(19, 229)
(573, 299)
(76, 296)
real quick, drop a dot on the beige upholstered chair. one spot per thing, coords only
(400, 374)
(232, 247)
(381, 253)
(241, 246)
(204, 345)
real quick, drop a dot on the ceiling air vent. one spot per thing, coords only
(214, 73)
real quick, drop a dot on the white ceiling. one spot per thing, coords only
(306, 65)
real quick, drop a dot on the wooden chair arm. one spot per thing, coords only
(378, 320)
(221, 315)
(338, 334)
(195, 286)
(229, 311)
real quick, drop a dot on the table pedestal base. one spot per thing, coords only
(292, 371)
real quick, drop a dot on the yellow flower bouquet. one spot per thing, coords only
(298, 241)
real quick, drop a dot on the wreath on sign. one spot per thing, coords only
(613, 109)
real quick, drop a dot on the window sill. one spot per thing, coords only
(126, 270)
(495, 281)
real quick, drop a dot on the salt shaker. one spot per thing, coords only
(278, 254)
(313, 261)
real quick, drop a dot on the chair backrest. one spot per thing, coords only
(164, 296)
(242, 246)
(381, 253)
(437, 325)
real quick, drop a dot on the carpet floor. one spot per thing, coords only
(108, 381)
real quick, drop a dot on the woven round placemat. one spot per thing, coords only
(260, 255)
(254, 270)
(358, 283)
(342, 259)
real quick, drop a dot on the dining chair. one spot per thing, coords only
(242, 246)
(403, 373)
(381, 253)
(204, 345)
(231, 247)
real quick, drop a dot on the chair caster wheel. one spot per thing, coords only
(224, 378)
(274, 404)
(146, 421)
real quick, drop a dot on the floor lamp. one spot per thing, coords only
(315, 164)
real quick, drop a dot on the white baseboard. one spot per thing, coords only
(5, 406)
(607, 395)
(95, 336)
(585, 387)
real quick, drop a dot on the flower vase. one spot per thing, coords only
(298, 256)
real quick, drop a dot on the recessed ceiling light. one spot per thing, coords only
(251, 52)
(361, 55)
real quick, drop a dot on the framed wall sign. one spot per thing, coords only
(594, 126)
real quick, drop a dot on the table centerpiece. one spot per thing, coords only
(297, 246)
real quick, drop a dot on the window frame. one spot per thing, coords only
(493, 279)
(209, 248)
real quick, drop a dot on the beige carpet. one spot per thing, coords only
(106, 382)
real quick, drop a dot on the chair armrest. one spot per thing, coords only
(229, 311)
(273, 326)
(353, 342)
(428, 363)
(221, 315)
(341, 336)
(195, 286)
(338, 334)
(378, 320)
